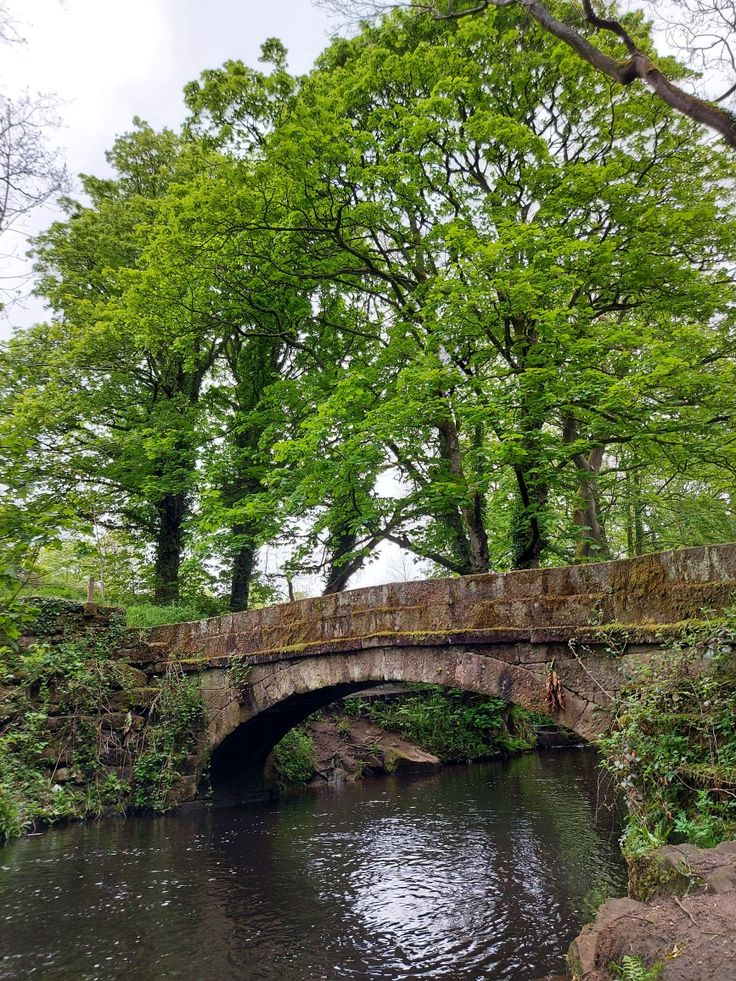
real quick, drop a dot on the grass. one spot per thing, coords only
(148, 615)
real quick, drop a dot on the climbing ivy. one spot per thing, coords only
(66, 748)
(240, 670)
(177, 716)
(79, 685)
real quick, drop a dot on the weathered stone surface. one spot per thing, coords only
(680, 869)
(692, 938)
(185, 789)
(353, 748)
(131, 677)
(59, 620)
(651, 590)
(408, 759)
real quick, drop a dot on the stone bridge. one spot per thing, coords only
(264, 671)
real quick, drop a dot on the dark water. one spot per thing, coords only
(475, 872)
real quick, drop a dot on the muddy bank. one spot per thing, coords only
(680, 920)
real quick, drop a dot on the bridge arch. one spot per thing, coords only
(253, 716)
(493, 634)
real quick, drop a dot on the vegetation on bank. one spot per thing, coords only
(79, 736)
(633, 968)
(454, 726)
(673, 747)
(294, 760)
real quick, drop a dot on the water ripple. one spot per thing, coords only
(473, 873)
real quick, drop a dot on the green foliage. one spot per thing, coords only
(79, 681)
(523, 314)
(453, 725)
(240, 670)
(634, 969)
(177, 716)
(597, 896)
(150, 615)
(294, 759)
(673, 747)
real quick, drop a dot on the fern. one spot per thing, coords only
(634, 969)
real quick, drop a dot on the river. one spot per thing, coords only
(484, 871)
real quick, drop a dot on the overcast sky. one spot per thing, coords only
(110, 60)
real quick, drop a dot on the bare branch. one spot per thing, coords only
(706, 32)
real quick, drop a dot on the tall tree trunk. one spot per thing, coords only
(638, 519)
(592, 543)
(171, 510)
(527, 537)
(244, 562)
(473, 540)
(338, 571)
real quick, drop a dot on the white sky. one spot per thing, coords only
(110, 60)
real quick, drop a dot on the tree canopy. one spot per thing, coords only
(619, 46)
(453, 290)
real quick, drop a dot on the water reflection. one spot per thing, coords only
(476, 872)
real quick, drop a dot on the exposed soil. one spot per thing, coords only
(350, 749)
(691, 933)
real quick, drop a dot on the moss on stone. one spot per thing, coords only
(655, 875)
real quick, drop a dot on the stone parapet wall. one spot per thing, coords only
(61, 620)
(651, 590)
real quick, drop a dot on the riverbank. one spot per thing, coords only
(672, 753)
(676, 925)
(412, 729)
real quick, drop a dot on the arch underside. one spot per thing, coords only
(280, 695)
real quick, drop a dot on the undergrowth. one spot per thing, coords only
(293, 759)
(148, 615)
(673, 745)
(77, 683)
(453, 725)
(634, 969)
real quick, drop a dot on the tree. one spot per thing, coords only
(618, 46)
(31, 172)
(541, 273)
(110, 390)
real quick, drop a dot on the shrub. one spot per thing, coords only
(294, 759)
(79, 681)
